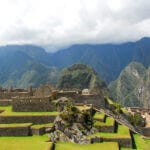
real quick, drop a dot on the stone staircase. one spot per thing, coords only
(121, 120)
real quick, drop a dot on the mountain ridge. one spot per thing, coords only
(131, 88)
(107, 59)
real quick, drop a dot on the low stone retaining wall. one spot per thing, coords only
(9, 95)
(146, 131)
(101, 119)
(124, 142)
(51, 147)
(5, 102)
(2, 111)
(38, 119)
(38, 131)
(15, 131)
(104, 128)
(97, 101)
(33, 104)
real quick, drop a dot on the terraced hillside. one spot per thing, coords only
(31, 134)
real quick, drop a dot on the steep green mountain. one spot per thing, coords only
(80, 76)
(107, 59)
(132, 86)
(19, 70)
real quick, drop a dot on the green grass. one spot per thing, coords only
(99, 116)
(24, 143)
(109, 122)
(110, 101)
(123, 132)
(15, 125)
(37, 126)
(122, 148)
(141, 143)
(95, 146)
(8, 112)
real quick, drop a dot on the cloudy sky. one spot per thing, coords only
(58, 23)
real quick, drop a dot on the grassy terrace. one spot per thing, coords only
(8, 112)
(25, 143)
(37, 126)
(109, 122)
(141, 144)
(99, 116)
(15, 125)
(123, 132)
(95, 146)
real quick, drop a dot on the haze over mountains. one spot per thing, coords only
(24, 65)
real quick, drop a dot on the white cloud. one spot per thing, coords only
(58, 23)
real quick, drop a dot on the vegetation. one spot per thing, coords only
(109, 122)
(123, 132)
(79, 76)
(25, 143)
(21, 65)
(8, 112)
(141, 143)
(136, 120)
(131, 87)
(99, 116)
(37, 126)
(15, 124)
(95, 146)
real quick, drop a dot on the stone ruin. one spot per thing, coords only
(73, 125)
(44, 90)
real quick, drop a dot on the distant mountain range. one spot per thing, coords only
(25, 65)
(21, 70)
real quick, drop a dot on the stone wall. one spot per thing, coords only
(5, 102)
(51, 147)
(90, 99)
(33, 104)
(44, 90)
(38, 119)
(9, 95)
(146, 131)
(38, 131)
(15, 131)
(105, 128)
(139, 110)
(97, 100)
(1, 111)
(124, 142)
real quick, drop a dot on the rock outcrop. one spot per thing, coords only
(73, 125)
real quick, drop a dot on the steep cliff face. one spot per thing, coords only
(132, 86)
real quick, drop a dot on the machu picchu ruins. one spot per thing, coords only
(78, 117)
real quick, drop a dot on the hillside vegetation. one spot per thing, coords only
(25, 65)
(80, 76)
(20, 70)
(132, 86)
